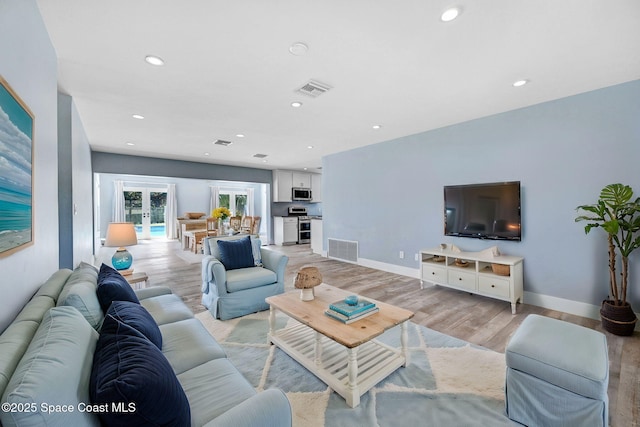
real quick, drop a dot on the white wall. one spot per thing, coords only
(389, 196)
(28, 64)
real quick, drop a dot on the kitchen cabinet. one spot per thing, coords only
(282, 184)
(301, 179)
(285, 230)
(316, 187)
(284, 181)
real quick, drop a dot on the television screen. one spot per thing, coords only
(483, 211)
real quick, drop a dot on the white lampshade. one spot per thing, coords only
(120, 234)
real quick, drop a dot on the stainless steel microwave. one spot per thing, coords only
(301, 194)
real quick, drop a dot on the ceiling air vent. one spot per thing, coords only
(222, 142)
(260, 156)
(313, 89)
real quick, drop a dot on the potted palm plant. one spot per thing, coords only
(619, 216)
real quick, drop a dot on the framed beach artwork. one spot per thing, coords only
(16, 172)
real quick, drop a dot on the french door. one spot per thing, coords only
(145, 207)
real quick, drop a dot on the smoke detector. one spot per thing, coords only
(222, 142)
(313, 88)
(260, 156)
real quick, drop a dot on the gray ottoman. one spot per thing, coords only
(557, 374)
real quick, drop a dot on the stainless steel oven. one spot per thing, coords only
(304, 223)
(304, 229)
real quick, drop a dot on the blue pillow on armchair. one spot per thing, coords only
(113, 287)
(236, 254)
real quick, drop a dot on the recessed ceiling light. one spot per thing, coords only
(207, 154)
(154, 60)
(520, 83)
(450, 14)
(376, 126)
(296, 104)
(309, 147)
(130, 144)
(240, 135)
(298, 49)
(138, 116)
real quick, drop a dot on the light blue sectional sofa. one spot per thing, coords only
(230, 291)
(47, 356)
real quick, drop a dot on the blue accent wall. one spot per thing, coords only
(137, 165)
(389, 196)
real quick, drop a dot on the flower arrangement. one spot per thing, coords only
(221, 213)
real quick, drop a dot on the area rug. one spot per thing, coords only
(188, 256)
(448, 382)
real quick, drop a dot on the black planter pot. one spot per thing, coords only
(618, 319)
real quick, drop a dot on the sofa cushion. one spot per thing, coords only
(257, 254)
(53, 286)
(130, 370)
(135, 316)
(187, 344)
(236, 254)
(13, 344)
(213, 388)
(55, 370)
(247, 278)
(167, 308)
(35, 309)
(113, 287)
(82, 296)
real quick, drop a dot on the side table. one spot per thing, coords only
(137, 278)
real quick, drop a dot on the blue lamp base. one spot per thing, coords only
(122, 259)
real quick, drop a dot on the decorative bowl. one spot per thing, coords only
(351, 300)
(194, 215)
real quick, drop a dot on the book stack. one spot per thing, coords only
(348, 313)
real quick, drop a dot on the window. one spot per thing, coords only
(236, 201)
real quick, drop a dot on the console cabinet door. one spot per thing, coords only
(462, 279)
(434, 274)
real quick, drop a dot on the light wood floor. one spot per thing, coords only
(479, 320)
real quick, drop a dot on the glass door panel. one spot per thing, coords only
(145, 207)
(157, 205)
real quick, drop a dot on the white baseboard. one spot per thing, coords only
(390, 268)
(545, 301)
(560, 304)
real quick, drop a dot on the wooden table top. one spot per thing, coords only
(311, 314)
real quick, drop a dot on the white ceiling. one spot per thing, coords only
(228, 69)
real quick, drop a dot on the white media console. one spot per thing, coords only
(472, 272)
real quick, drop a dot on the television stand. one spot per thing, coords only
(474, 272)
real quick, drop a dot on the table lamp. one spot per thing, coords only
(121, 234)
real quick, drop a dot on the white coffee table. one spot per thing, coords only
(346, 357)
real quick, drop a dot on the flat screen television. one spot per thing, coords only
(483, 211)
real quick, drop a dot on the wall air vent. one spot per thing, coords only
(222, 142)
(313, 88)
(260, 156)
(345, 250)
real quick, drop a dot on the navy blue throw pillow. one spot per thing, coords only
(113, 287)
(135, 316)
(130, 373)
(236, 253)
